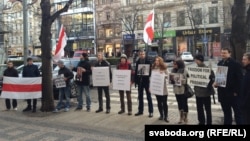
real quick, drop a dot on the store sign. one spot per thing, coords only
(128, 36)
(166, 34)
(189, 32)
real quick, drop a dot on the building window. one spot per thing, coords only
(109, 33)
(180, 18)
(166, 19)
(127, 2)
(108, 15)
(197, 14)
(139, 22)
(101, 33)
(213, 15)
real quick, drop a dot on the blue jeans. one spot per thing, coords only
(85, 89)
(63, 92)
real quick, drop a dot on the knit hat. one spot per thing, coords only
(199, 57)
(60, 62)
(124, 56)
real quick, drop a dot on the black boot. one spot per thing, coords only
(28, 108)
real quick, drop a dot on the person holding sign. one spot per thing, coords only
(229, 96)
(203, 95)
(182, 100)
(125, 65)
(10, 72)
(103, 63)
(82, 80)
(64, 91)
(30, 70)
(142, 80)
(160, 66)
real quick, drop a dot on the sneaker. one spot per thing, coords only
(27, 109)
(66, 109)
(55, 111)
(15, 109)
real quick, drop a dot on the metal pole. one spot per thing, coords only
(25, 31)
(94, 26)
(205, 38)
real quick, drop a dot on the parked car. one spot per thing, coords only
(168, 57)
(151, 55)
(186, 56)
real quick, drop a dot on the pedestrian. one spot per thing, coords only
(125, 65)
(203, 95)
(229, 95)
(83, 70)
(245, 89)
(30, 70)
(10, 72)
(182, 100)
(160, 66)
(143, 83)
(64, 92)
(103, 63)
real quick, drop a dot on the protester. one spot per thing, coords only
(143, 83)
(30, 70)
(125, 65)
(229, 96)
(182, 100)
(64, 91)
(245, 90)
(82, 80)
(10, 72)
(203, 95)
(103, 63)
(160, 66)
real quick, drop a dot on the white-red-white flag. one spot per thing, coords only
(148, 33)
(62, 42)
(22, 88)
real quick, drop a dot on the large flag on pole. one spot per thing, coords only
(148, 33)
(62, 42)
(22, 88)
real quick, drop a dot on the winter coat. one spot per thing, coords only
(142, 79)
(66, 73)
(234, 79)
(85, 80)
(105, 63)
(31, 71)
(205, 91)
(10, 72)
(184, 75)
(245, 89)
(165, 89)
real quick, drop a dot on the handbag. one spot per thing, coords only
(188, 91)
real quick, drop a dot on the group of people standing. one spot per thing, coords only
(235, 96)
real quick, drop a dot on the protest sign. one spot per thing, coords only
(121, 79)
(157, 83)
(198, 76)
(143, 69)
(59, 82)
(221, 76)
(100, 76)
(175, 78)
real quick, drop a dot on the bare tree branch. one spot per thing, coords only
(64, 9)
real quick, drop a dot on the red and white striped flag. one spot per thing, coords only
(62, 42)
(148, 33)
(22, 88)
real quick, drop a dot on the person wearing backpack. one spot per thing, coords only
(125, 65)
(203, 95)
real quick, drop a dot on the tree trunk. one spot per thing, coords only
(239, 33)
(45, 39)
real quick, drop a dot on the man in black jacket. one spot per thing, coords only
(30, 70)
(10, 72)
(103, 63)
(229, 96)
(64, 91)
(82, 80)
(142, 81)
(245, 90)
